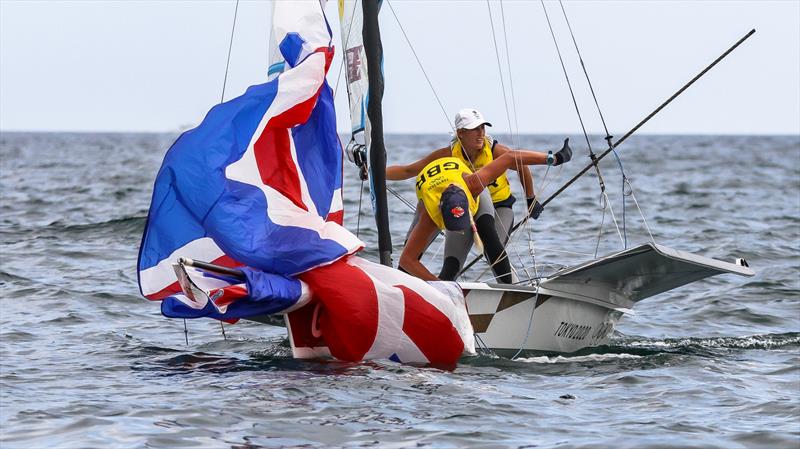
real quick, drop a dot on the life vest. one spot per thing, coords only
(500, 189)
(435, 178)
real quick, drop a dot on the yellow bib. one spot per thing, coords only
(500, 188)
(435, 178)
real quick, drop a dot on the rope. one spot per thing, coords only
(646, 226)
(566, 75)
(221, 100)
(402, 198)
(358, 221)
(614, 219)
(344, 54)
(600, 232)
(500, 69)
(624, 181)
(230, 48)
(527, 221)
(514, 131)
(574, 102)
(511, 235)
(430, 84)
(603, 121)
(530, 322)
(518, 144)
(483, 347)
(580, 58)
(510, 79)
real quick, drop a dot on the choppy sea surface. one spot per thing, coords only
(85, 362)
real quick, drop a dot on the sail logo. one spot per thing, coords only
(354, 63)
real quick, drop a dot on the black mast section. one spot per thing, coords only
(377, 152)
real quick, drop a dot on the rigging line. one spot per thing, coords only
(624, 181)
(602, 120)
(511, 238)
(614, 219)
(230, 48)
(646, 226)
(546, 180)
(566, 75)
(500, 69)
(510, 77)
(564, 251)
(574, 101)
(344, 54)
(513, 129)
(498, 275)
(535, 299)
(430, 84)
(402, 199)
(600, 233)
(358, 220)
(527, 220)
(583, 66)
(510, 235)
(515, 137)
(505, 96)
(646, 119)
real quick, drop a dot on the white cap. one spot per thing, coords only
(470, 119)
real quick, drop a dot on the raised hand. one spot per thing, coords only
(564, 154)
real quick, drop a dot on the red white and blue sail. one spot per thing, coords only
(253, 184)
(258, 185)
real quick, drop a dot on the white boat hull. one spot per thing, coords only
(575, 308)
(579, 307)
(506, 321)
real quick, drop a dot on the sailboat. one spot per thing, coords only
(246, 223)
(569, 310)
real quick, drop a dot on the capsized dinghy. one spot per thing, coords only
(569, 310)
(257, 187)
(255, 191)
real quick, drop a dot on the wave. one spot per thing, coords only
(601, 357)
(133, 223)
(699, 344)
(631, 349)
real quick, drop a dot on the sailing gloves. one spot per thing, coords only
(563, 155)
(534, 208)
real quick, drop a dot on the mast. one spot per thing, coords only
(377, 151)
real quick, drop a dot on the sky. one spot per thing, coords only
(141, 66)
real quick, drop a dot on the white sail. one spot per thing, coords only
(355, 67)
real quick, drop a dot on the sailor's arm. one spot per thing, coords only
(400, 172)
(497, 167)
(525, 177)
(415, 246)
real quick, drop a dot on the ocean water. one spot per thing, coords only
(85, 362)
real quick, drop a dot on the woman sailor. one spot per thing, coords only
(454, 199)
(474, 148)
